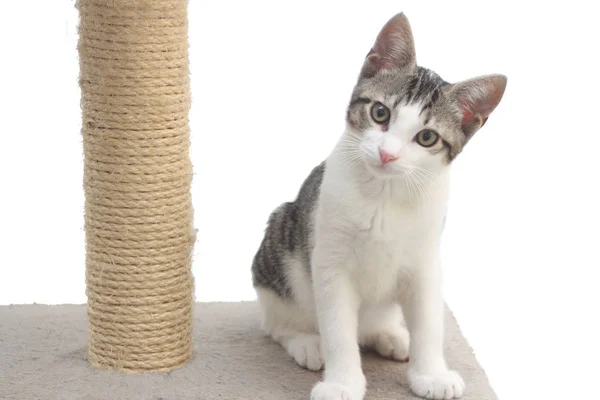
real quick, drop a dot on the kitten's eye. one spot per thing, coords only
(427, 138)
(380, 113)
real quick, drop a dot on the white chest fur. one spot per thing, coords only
(386, 234)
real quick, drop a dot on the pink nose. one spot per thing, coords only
(386, 157)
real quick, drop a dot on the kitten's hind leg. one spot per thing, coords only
(293, 329)
(382, 329)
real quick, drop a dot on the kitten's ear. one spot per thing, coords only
(393, 48)
(476, 99)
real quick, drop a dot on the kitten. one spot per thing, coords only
(354, 260)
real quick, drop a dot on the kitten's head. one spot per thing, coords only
(404, 118)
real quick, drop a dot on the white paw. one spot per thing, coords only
(441, 385)
(306, 350)
(331, 391)
(354, 388)
(394, 346)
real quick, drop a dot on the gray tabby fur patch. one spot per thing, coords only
(288, 235)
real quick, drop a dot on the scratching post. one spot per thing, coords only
(138, 214)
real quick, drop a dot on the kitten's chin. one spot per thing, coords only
(385, 171)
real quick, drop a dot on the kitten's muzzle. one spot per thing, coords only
(386, 157)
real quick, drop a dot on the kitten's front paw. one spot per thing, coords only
(306, 350)
(331, 391)
(354, 388)
(444, 385)
(394, 347)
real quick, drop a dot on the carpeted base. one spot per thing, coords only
(42, 357)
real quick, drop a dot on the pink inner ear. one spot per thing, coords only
(482, 107)
(380, 62)
(467, 116)
(477, 98)
(467, 113)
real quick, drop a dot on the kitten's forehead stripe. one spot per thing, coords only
(427, 88)
(360, 100)
(397, 101)
(412, 84)
(434, 95)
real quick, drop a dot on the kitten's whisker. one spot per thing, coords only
(352, 139)
(349, 152)
(404, 181)
(349, 140)
(347, 146)
(412, 167)
(349, 156)
(353, 148)
(411, 190)
(425, 180)
(417, 191)
(423, 187)
(424, 172)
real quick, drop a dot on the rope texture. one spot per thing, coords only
(135, 100)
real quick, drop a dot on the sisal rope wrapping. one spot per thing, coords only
(135, 98)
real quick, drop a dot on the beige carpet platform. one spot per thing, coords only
(42, 357)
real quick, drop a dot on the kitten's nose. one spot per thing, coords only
(386, 157)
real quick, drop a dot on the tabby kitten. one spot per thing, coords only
(354, 260)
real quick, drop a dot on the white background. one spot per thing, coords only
(270, 83)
